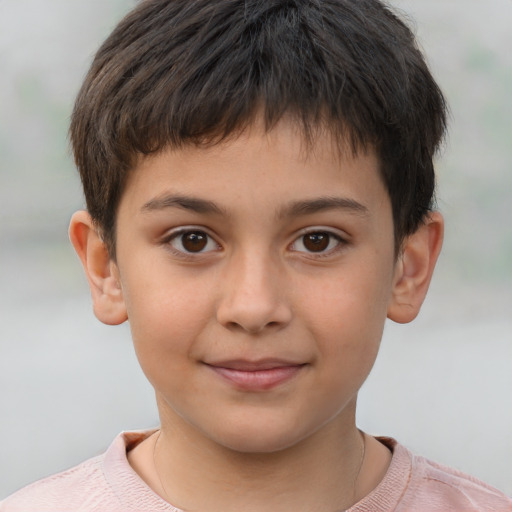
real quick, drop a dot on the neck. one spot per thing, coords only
(323, 472)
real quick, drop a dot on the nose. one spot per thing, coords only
(253, 295)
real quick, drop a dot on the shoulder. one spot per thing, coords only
(69, 490)
(413, 483)
(447, 487)
(105, 482)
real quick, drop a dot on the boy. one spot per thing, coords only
(259, 185)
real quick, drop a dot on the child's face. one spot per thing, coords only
(251, 255)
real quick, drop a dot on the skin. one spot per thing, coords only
(256, 288)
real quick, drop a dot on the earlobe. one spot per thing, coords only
(414, 269)
(102, 273)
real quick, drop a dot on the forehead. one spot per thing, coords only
(259, 166)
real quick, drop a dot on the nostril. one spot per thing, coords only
(253, 305)
(254, 327)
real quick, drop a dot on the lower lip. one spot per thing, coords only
(258, 380)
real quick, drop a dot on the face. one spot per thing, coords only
(256, 277)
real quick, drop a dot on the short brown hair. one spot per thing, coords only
(188, 71)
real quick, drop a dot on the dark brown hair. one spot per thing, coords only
(189, 71)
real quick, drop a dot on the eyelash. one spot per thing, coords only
(179, 234)
(322, 234)
(328, 250)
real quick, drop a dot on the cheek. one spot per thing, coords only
(160, 298)
(355, 299)
(347, 315)
(166, 319)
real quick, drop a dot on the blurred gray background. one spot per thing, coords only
(68, 384)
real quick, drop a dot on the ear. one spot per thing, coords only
(102, 273)
(414, 269)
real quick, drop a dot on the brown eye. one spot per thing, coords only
(193, 241)
(316, 242)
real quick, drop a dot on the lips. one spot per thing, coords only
(256, 375)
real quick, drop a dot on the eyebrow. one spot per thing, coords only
(184, 202)
(295, 208)
(308, 207)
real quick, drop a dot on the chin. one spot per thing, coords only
(263, 440)
(260, 446)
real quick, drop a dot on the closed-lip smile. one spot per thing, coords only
(260, 375)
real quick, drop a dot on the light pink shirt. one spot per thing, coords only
(107, 483)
